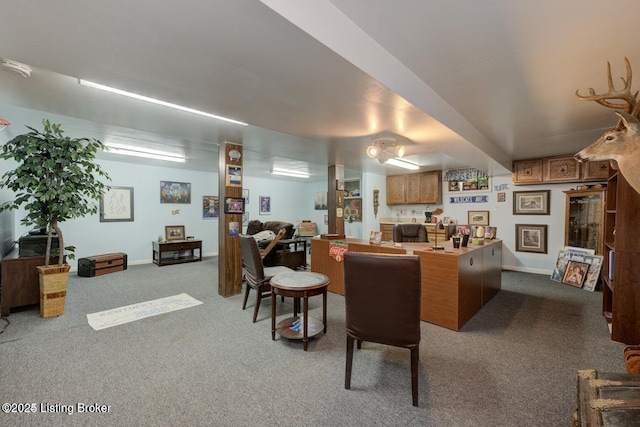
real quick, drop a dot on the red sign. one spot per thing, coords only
(337, 250)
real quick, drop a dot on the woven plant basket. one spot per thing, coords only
(53, 289)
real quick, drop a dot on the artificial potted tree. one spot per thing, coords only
(56, 179)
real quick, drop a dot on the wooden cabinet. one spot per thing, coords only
(20, 283)
(584, 219)
(621, 295)
(558, 169)
(413, 189)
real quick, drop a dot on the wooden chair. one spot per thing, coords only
(382, 298)
(256, 275)
(265, 251)
(632, 359)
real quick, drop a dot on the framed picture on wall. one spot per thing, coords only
(210, 207)
(116, 204)
(265, 205)
(175, 192)
(234, 205)
(234, 176)
(478, 217)
(531, 202)
(531, 238)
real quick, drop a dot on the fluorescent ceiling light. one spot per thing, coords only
(144, 152)
(156, 101)
(402, 164)
(286, 172)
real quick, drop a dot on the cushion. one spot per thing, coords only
(264, 236)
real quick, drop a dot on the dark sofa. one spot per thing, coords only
(256, 226)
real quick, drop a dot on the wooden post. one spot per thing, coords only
(229, 253)
(335, 199)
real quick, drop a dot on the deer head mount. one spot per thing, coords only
(622, 143)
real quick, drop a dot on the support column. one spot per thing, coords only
(335, 199)
(229, 253)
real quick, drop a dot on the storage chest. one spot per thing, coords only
(102, 264)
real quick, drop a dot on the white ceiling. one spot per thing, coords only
(458, 82)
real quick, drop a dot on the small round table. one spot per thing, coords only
(299, 284)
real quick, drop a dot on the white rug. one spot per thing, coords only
(121, 315)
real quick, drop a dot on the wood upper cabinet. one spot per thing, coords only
(558, 169)
(417, 188)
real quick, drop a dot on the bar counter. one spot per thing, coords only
(456, 283)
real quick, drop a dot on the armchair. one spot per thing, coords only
(267, 253)
(410, 232)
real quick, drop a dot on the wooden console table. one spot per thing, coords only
(180, 251)
(456, 283)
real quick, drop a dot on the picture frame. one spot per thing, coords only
(116, 204)
(320, 201)
(375, 238)
(535, 202)
(245, 195)
(234, 176)
(233, 205)
(531, 238)
(478, 217)
(575, 274)
(352, 210)
(210, 207)
(265, 205)
(173, 232)
(175, 192)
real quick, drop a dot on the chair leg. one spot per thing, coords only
(415, 357)
(246, 296)
(359, 344)
(258, 300)
(347, 372)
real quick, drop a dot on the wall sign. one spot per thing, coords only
(469, 199)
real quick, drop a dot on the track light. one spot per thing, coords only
(384, 149)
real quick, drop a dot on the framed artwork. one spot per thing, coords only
(453, 186)
(234, 176)
(234, 205)
(575, 273)
(531, 202)
(478, 217)
(375, 238)
(116, 204)
(353, 210)
(320, 201)
(173, 232)
(175, 192)
(245, 195)
(210, 207)
(561, 169)
(265, 205)
(531, 238)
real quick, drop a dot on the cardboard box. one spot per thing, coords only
(307, 229)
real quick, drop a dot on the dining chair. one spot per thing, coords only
(410, 232)
(382, 299)
(256, 275)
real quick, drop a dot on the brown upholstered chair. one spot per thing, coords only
(410, 232)
(255, 274)
(382, 298)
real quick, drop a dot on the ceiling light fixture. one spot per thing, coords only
(147, 153)
(287, 172)
(384, 149)
(402, 164)
(4, 123)
(10, 65)
(156, 101)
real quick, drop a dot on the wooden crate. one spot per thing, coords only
(98, 265)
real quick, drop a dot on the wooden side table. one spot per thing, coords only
(299, 284)
(182, 250)
(295, 258)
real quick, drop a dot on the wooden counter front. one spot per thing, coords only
(456, 283)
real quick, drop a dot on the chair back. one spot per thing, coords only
(251, 261)
(382, 298)
(410, 232)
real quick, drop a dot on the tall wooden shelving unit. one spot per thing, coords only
(621, 293)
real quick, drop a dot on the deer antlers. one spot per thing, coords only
(629, 101)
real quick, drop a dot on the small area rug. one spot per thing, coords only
(121, 315)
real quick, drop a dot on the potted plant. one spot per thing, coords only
(56, 179)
